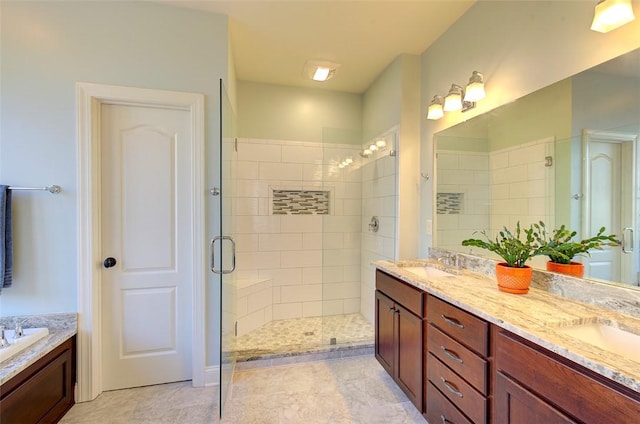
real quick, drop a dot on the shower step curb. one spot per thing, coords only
(274, 359)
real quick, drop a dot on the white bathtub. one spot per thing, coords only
(31, 335)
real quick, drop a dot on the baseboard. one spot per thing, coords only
(212, 376)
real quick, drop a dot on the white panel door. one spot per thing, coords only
(146, 228)
(604, 207)
(611, 181)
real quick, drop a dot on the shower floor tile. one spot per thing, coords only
(305, 335)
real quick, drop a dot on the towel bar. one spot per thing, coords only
(53, 189)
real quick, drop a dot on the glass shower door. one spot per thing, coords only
(225, 245)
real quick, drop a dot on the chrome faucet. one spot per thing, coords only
(3, 339)
(18, 332)
(449, 261)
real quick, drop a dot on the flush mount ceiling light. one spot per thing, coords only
(435, 108)
(612, 14)
(319, 70)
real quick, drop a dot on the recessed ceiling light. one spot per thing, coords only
(319, 70)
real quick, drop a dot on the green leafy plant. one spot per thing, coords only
(510, 246)
(560, 247)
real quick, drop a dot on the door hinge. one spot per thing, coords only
(235, 329)
(548, 161)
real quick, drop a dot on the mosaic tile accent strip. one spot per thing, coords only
(300, 202)
(449, 203)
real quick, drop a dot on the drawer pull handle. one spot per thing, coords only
(453, 389)
(451, 354)
(444, 420)
(452, 321)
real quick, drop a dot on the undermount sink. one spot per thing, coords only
(427, 271)
(606, 336)
(31, 335)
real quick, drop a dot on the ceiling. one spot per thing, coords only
(271, 40)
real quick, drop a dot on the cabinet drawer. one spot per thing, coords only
(440, 410)
(406, 295)
(458, 391)
(466, 328)
(564, 384)
(463, 361)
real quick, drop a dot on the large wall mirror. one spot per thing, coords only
(566, 154)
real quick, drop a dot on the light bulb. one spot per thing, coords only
(381, 143)
(373, 147)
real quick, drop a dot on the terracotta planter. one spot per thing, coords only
(513, 280)
(575, 269)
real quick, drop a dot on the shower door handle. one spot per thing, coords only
(624, 243)
(213, 257)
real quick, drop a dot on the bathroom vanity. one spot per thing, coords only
(492, 357)
(37, 385)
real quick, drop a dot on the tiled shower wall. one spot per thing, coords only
(463, 200)
(379, 198)
(313, 260)
(522, 187)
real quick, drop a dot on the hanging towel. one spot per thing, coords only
(6, 238)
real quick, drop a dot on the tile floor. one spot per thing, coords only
(160, 404)
(348, 390)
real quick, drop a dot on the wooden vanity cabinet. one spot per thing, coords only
(534, 385)
(457, 358)
(44, 391)
(399, 311)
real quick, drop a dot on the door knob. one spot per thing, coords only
(109, 262)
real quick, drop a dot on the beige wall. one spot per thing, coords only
(393, 99)
(269, 111)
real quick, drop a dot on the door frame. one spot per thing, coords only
(588, 136)
(89, 98)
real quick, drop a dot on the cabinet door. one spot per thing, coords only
(43, 392)
(516, 405)
(409, 358)
(385, 343)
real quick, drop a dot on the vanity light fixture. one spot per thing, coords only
(435, 108)
(319, 70)
(612, 14)
(376, 146)
(475, 88)
(453, 100)
(458, 98)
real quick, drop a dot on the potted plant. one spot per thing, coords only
(560, 247)
(513, 275)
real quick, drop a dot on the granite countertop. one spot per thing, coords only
(535, 316)
(61, 328)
